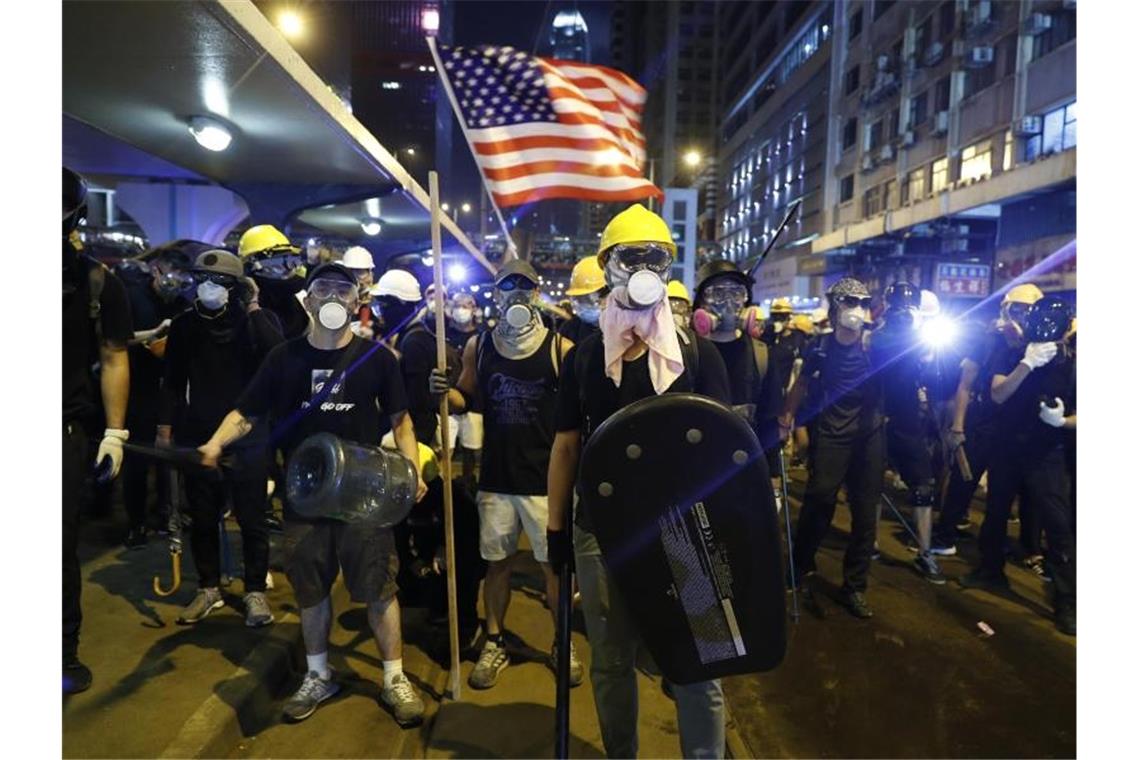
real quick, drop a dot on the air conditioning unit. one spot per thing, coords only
(941, 122)
(887, 152)
(980, 15)
(933, 54)
(907, 138)
(980, 57)
(1038, 23)
(1027, 126)
(868, 162)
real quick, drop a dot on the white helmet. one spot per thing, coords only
(399, 283)
(357, 257)
(818, 316)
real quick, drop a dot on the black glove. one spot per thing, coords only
(438, 382)
(559, 551)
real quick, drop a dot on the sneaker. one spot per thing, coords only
(257, 612)
(986, 581)
(963, 525)
(943, 550)
(1036, 565)
(928, 568)
(205, 601)
(313, 691)
(76, 675)
(857, 605)
(1065, 618)
(492, 661)
(576, 670)
(136, 538)
(407, 707)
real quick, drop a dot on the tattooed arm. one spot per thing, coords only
(233, 427)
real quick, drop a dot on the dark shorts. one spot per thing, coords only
(316, 551)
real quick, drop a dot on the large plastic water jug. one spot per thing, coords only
(328, 477)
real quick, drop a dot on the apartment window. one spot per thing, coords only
(882, 6)
(1059, 132)
(918, 110)
(978, 80)
(939, 175)
(872, 201)
(1064, 29)
(942, 94)
(851, 81)
(977, 161)
(893, 125)
(855, 24)
(915, 187)
(850, 131)
(1007, 52)
(923, 36)
(875, 135)
(946, 20)
(846, 188)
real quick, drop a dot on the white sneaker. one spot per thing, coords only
(407, 707)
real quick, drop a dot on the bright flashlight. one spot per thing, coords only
(457, 273)
(939, 332)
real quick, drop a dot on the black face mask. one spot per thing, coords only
(393, 313)
(900, 319)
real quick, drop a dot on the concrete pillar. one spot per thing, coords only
(167, 211)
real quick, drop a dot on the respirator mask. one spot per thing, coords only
(515, 298)
(853, 311)
(333, 299)
(638, 274)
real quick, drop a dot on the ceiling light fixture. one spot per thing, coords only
(210, 133)
(371, 227)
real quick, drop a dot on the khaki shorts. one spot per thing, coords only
(316, 551)
(501, 516)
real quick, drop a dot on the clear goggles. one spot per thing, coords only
(733, 293)
(511, 284)
(277, 265)
(329, 289)
(635, 257)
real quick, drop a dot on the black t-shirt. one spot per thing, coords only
(897, 356)
(575, 330)
(367, 389)
(458, 338)
(586, 401)
(1017, 422)
(784, 348)
(745, 384)
(147, 311)
(280, 297)
(80, 352)
(844, 395)
(208, 365)
(417, 360)
(518, 400)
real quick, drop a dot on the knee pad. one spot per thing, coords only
(923, 495)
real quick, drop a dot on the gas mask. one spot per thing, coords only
(172, 285)
(1011, 319)
(515, 298)
(588, 308)
(638, 274)
(279, 265)
(852, 312)
(212, 296)
(682, 312)
(332, 300)
(722, 309)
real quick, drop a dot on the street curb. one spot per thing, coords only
(215, 728)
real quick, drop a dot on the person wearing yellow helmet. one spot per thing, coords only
(277, 268)
(680, 304)
(587, 291)
(638, 353)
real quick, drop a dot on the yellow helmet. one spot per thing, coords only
(636, 224)
(1026, 293)
(781, 306)
(677, 289)
(803, 323)
(263, 237)
(586, 278)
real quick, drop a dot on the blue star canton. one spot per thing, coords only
(497, 86)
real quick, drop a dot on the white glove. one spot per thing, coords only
(1037, 355)
(112, 446)
(1053, 415)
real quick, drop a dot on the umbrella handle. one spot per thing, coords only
(175, 573)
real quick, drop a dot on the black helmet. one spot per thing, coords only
(902, 295)
(718, 268)
(74, 200)
(1047, 320)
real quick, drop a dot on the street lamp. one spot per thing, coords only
(692, 159)
(410, 151)
(465, 208)
(445, 206)
(290, 24)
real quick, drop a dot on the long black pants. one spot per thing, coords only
(960, 491)
(206, 497)
(77, 468)
(142, 421)
(1044, 480)
(858, 464)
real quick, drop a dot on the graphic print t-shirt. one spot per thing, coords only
(349, 392)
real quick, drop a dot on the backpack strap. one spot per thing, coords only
(760, 355)
(690, 355)
(96, 277)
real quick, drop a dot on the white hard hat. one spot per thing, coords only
(929, 305)
(357, 257)
(399, 283)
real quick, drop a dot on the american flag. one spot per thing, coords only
(544, 128)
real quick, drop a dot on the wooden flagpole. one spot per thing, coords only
(445, 437)
(512, 252)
